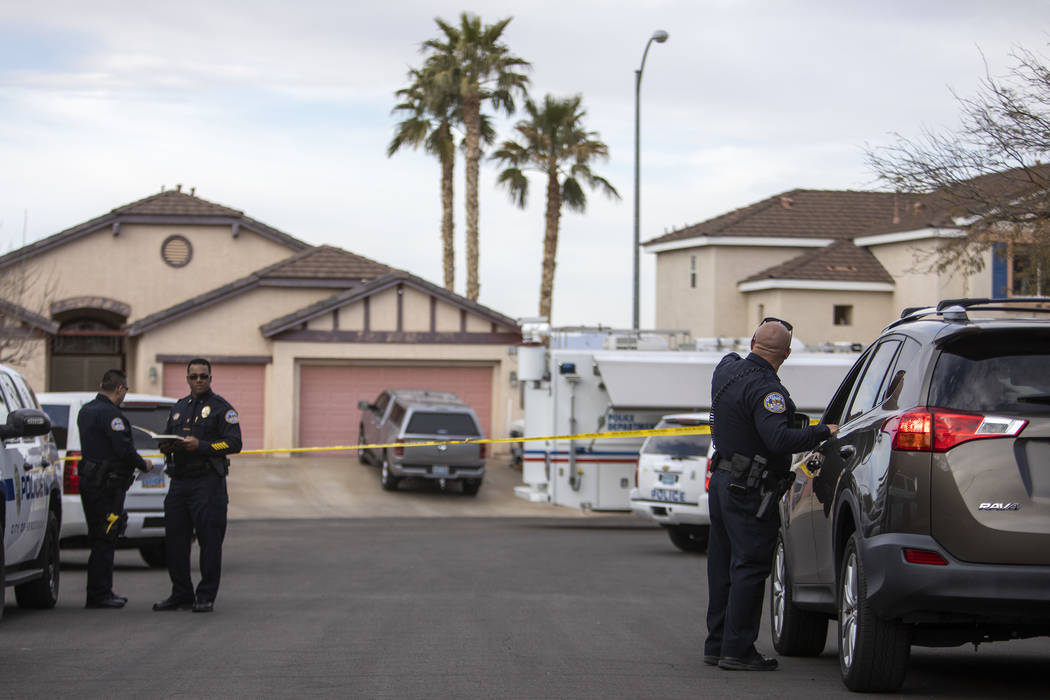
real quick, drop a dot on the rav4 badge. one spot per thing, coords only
(999, 506)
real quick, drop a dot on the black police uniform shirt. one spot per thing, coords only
(105, 435)
(755, 414)
(210, 419)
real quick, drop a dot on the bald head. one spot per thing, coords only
(772, 342)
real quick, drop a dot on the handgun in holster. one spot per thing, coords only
(772, 489)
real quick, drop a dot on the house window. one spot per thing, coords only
(843, 315)
(1027, 277)
(692, 271)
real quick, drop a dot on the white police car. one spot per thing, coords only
(31, 507)
(145, 499)
(671, 482)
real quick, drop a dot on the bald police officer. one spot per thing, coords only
(106, 471)
(754, 431)
(197, 499)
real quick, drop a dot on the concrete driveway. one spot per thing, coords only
(269, 487)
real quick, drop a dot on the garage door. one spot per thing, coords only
(241, 384)
(328, 395)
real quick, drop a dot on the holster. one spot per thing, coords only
(115, 525)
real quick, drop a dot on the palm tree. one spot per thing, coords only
(471, 62)
(553, 141)
(429, 114)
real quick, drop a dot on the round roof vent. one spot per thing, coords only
(176, 251)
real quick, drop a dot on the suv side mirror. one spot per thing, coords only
(25, 422)
(365, 406)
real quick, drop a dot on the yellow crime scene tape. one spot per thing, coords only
(691, 430)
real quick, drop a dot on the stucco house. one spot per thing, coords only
(839, 264)
(297, 334)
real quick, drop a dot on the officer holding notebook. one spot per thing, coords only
(208, 429)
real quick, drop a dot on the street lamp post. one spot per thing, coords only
(659, 36)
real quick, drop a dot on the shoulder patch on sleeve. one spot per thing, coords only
(117, 425)
(774, 402)
(231, 416)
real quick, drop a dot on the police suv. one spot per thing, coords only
(31, 509)
(670, 482)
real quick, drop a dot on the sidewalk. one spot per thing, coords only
(341, 487)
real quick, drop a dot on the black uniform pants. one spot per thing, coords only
(98, 503)
(739, 557)
(195, 505)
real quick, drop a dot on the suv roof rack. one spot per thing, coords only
(955, 309)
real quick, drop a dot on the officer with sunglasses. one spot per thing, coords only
(754, 430)
(208, 429)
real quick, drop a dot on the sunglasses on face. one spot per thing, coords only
(781, 321)
(195, 377)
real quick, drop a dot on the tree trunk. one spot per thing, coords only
(472, 122)
(550, 242)
(448, 165)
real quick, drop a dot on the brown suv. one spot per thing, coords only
(926, 519)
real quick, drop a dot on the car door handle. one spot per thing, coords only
(847, 451)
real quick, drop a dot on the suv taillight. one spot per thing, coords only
(399, 451)
(71, 474)
(939, 431)
(707, 476)
(481, 451)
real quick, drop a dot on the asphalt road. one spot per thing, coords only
(599, 607)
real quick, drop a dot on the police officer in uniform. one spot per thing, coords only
(754, 431)
(106, 472)
(208, 428)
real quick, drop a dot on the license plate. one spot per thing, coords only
(668, 495)
(668, 479)
(439, 470)
(150, 481)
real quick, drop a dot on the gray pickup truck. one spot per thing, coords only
(415, 415)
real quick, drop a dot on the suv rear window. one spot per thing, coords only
(149, 416)
(425, 423)
(677, 445)
(59, 416)
(994, 372)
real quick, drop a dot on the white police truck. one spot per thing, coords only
(31, 507)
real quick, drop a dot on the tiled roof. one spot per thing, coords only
(177, 203)
(802, 214)
(324, 266)
(326, 262)
(839, 261)
(21, 313)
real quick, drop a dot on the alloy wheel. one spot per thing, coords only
(848, 612)
(777, 591)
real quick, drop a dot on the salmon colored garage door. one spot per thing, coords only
(243, 385)
(328, 395)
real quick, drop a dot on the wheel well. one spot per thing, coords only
(844, 528)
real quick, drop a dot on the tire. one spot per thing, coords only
(795, 632)
(362, 455)
(471, 486)
(689, 539)
(155, 555)
(387, 480)
(873, 653)
(42, 593)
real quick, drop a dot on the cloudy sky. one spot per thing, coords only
(282, 110)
